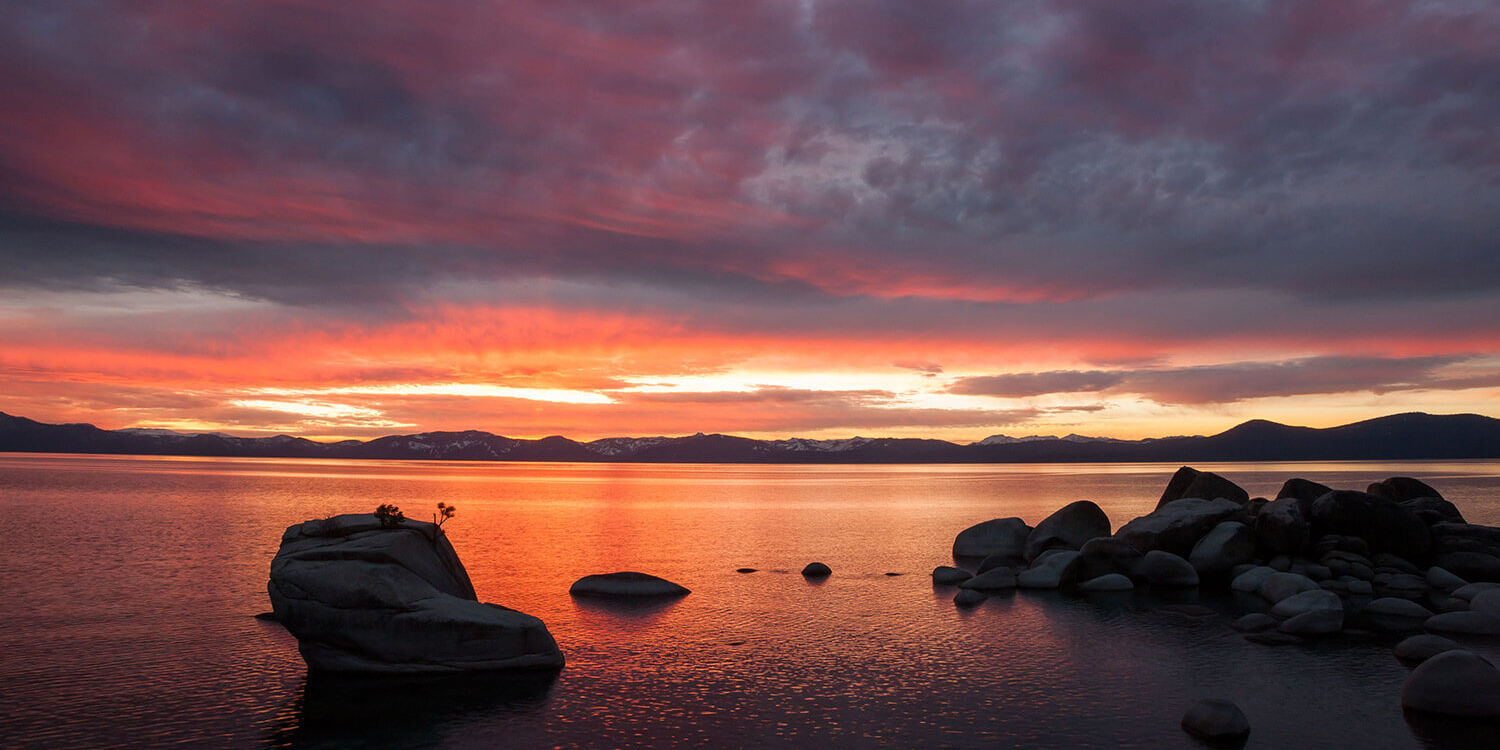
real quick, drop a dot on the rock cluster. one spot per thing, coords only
(1313, 562)
(363, 598)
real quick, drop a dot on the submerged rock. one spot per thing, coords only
(1454, 683)
(1216, 721)
(362, 598)
(1255, 622)
(625, 585)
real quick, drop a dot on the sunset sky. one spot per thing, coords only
(818, 218)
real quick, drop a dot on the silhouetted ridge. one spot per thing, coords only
(1410, 436)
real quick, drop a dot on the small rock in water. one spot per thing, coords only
(1216, 721)
(970, 598)
(744, 570)
(1420, 648)
(947, 575)
(1308, 601)
(817, 570)
(1454, 683)
(625, 584)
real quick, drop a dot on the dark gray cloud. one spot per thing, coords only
(1238, 381)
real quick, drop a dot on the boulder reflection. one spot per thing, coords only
(352, 711)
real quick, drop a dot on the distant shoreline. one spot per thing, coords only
(1400, 437)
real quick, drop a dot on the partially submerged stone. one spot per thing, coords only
(1216, 721)
(1424, 646)
(1454, 683)
(816, 570)
(626, 585)
(362, 598)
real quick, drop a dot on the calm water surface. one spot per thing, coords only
(131, 583)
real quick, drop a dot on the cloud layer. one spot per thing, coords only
(968, 208)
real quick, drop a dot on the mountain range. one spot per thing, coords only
(1397, 437)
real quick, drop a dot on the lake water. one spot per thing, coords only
(131, 583)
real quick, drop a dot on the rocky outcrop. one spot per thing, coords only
(362, 598)
(1384, 525)
(626, 585)
(1068, 528)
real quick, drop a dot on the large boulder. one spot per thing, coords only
(1281, 528)
(1177, 526)
(626, 585)
(1454, 683)
(1400, 489)
(1434, 510)
(1068, 528)
(1226, 545)
(1104, 555)
(363, 598)
(1001, 536)
(1204, 485)
(1386, 526)
(1250, 581)
(1303, 491)
(1486, 601)
(1167, 570)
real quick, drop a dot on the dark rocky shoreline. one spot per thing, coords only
(1311, 565)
